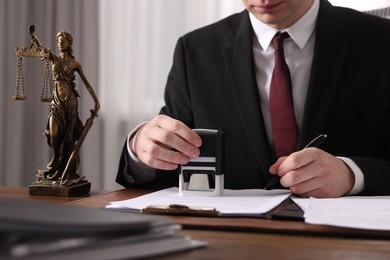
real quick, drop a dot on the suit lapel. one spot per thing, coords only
(238, 56)
(330, 55)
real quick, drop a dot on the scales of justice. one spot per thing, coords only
(64, 131)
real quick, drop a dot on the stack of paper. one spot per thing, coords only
(37, 230)
(251, 202)
(352, 212)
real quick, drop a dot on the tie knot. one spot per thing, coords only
(277, 41)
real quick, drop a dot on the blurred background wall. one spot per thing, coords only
(125, 48)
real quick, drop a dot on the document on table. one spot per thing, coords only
(252, 202)
(303, 203)
(352, 212)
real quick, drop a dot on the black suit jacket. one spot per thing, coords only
(212, 84)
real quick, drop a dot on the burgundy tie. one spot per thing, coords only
(284, 126)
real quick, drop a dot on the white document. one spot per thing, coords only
(253, 202)
(303, 203)
(352, 212)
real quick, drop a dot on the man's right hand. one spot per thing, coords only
(165, 143)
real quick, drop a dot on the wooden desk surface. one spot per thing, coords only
(245, 238)
(248, 245)
(22, 193)
(233, 238)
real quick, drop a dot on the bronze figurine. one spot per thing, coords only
(65, 132)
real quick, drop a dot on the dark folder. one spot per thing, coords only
(38, 230)
(26, 216)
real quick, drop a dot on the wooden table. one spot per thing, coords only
(252, 238)
(23, 193)
(245, 238)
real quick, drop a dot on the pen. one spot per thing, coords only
(316, 142)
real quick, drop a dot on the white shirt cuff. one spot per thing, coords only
(132, 155)
(359, 177)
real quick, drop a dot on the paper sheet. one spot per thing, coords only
(353, 212)
(232, 202)
(303, 203)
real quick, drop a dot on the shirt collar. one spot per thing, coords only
(300, 31)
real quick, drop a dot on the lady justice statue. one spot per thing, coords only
(65, 132)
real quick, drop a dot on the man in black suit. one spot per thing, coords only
(220, 78)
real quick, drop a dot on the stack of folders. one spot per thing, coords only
(38, 230)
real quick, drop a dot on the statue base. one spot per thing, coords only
(75, 190)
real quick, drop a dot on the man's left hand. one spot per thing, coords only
(313, 172)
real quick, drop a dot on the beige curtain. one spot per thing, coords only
(137, 41)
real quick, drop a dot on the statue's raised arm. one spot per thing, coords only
(64, 131)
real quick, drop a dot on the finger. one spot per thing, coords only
(316, 193)
(180, 129)
(163, 150)
(162, 165)
(274, 168)
(161, 158)
(298, 160)
(298, 176)
(306, 188)
(169, 140)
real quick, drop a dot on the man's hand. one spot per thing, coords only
(165, 143)
(312, 172)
